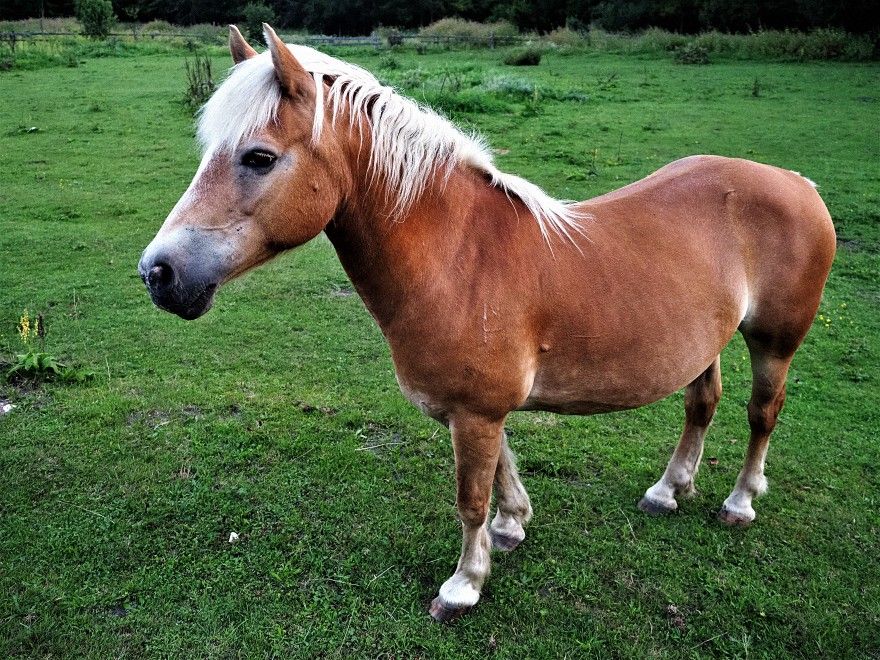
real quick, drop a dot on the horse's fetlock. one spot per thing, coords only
(758, 485)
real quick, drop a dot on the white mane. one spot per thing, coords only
(410, 142)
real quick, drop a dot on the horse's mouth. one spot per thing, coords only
(190, 308)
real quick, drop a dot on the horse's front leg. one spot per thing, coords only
(477, 444)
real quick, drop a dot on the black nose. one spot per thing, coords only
(160, 277)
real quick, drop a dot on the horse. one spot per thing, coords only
(492, 295)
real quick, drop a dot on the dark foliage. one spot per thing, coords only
(362, 16)
(254, 15)
(96, 17)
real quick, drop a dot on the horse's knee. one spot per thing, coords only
(473, 514)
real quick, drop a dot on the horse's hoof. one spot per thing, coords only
(654, 508)
(733, 519)
(445, 614)
(504, 542)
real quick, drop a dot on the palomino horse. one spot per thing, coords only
(493, 296)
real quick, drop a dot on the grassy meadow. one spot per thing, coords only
(277, 415)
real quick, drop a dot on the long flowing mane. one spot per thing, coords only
(410, 142)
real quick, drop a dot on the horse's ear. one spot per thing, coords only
(241, 50)
(294, 79)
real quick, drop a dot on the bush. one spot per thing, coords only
(157, 26)
(566, 37)
(471, 31)
(692, 54)
(530, 56)
(96, 17)
(254, 15)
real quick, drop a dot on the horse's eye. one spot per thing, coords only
(258, 159)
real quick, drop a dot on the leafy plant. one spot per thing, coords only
(532, 107)
(36, 364)
(96, 17)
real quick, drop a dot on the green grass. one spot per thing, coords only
(277, 415)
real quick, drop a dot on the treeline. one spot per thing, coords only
(363, 16)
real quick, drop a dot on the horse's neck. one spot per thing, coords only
(399, 266)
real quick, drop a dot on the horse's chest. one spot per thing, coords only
(430, 405)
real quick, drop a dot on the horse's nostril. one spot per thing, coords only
(160, 276)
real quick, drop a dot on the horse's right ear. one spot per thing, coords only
(293, 78)
(241, 50)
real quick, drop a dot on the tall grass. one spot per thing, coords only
(30, 54)
(822, 44)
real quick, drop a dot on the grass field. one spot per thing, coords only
(277, 415)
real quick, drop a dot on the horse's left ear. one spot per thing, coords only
(294, 79)
(239, 48)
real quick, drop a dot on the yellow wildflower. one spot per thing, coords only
(24, 327)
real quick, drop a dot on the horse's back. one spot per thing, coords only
(769, 220)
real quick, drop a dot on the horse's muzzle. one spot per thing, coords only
(171, 292)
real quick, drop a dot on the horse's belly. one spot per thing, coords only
(585, 385)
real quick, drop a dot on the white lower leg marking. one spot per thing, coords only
(463, 588)
(514, 507)
(749, 485)
(678, 478)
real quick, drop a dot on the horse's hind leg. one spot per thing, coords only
(768, 395)
(514, 507)
(700, 400)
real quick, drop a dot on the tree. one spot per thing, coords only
(255, 14)
(96, 17)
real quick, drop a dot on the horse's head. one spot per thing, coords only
(264, 184)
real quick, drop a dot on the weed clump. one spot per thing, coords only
(509, 86)
(530, 56)
(199, 81)
(389, 63)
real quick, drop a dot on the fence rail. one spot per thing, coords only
(394, 39)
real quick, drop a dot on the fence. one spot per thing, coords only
(394, 39)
